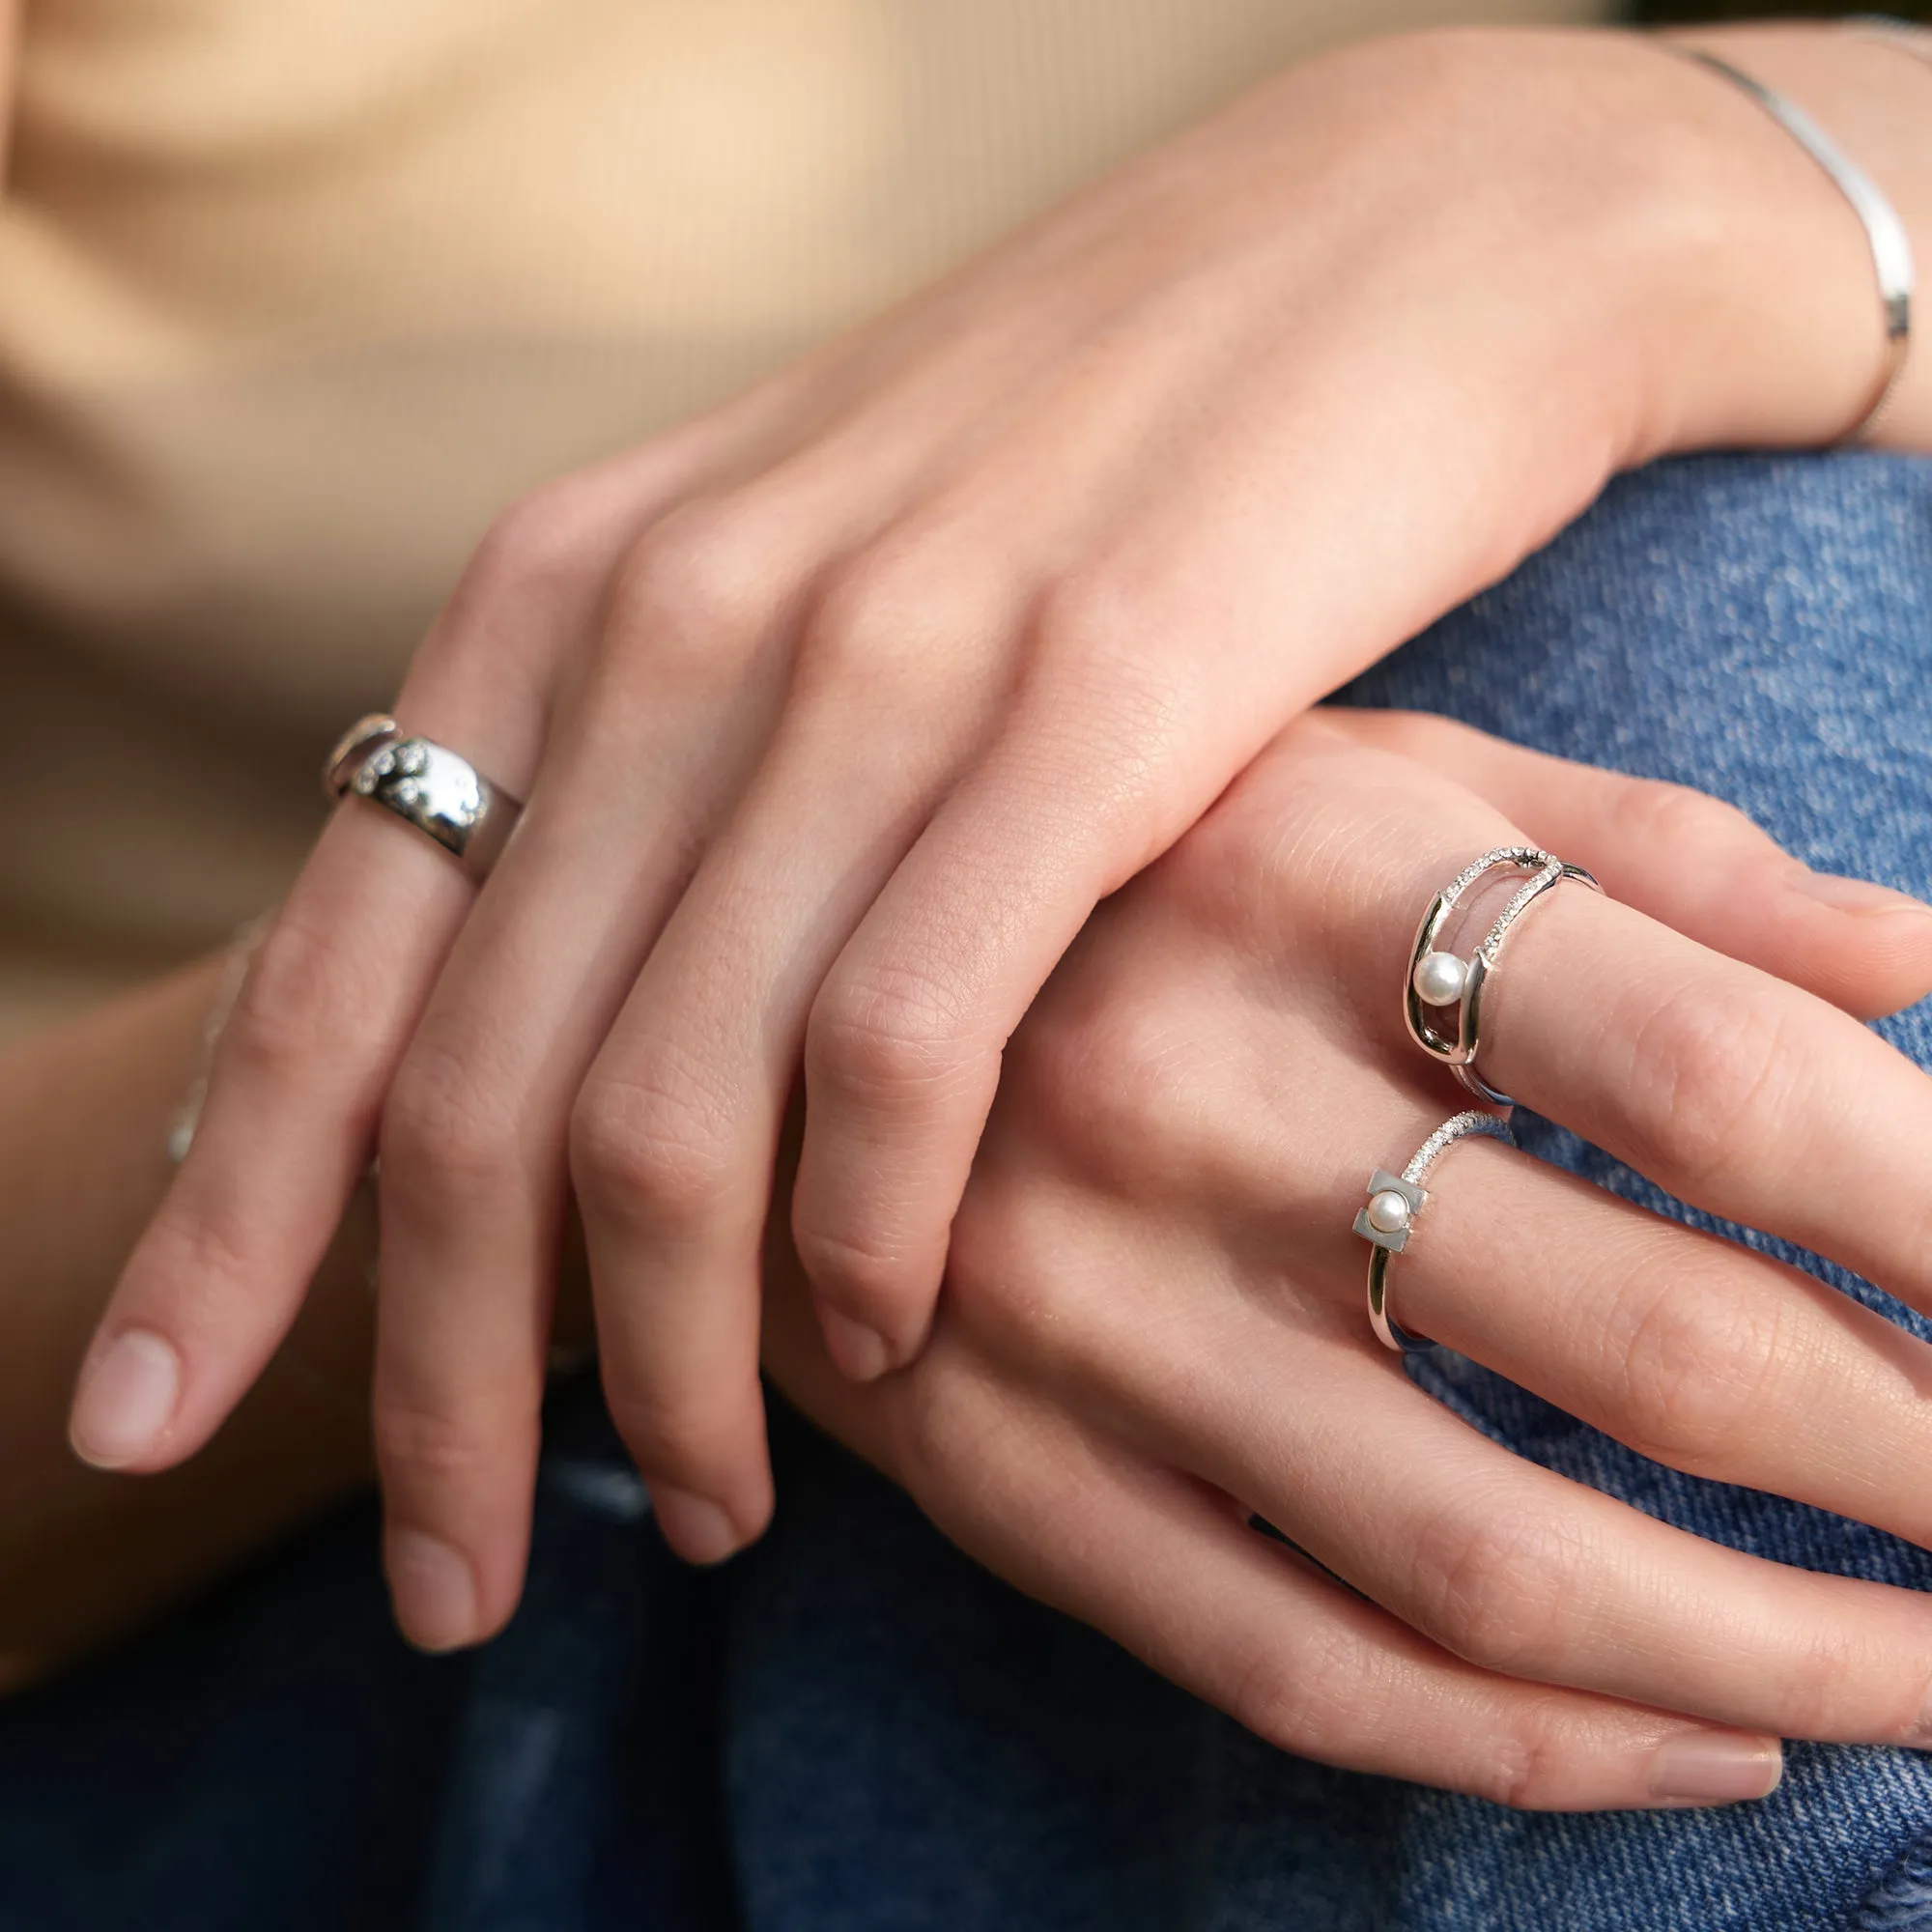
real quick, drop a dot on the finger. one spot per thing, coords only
(331, 1001)
(646, 766)
(1731, 1089)
(1690, 861)
(1693, 1351)
(474, 1135)
(1167, 1569)
(700, 633)
(903, 1046)
(1506, 1564)
(678, 1123)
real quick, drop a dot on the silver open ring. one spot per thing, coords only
(1388, 1219)
(1437, 979)
(427, 786)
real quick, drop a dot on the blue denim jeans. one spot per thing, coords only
(853, 1727)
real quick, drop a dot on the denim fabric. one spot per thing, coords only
(878, 1735)
(277, 1760)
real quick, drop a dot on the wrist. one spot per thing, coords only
(1768, 326)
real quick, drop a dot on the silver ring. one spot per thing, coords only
(1388, 1219)
(426, 785)
(1441, 979)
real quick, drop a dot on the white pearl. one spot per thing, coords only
(1439, 978)
(1388, 1212)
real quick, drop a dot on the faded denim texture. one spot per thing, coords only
(853, 1727)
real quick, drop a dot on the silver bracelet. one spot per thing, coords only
(1890, 245)
(1889, 30)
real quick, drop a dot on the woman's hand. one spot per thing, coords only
(837, 713)
(1154, 1320)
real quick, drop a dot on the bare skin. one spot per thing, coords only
(1087, 525)
(1136, 1126)
(1153, 1319)
(1771, 343)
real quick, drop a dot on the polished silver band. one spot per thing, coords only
(1889, 30)
(1438, 980)
(1890, 245)
(426, 785)
(1389, 1218)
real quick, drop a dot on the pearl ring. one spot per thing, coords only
(1437, 979)
(1389, 1220)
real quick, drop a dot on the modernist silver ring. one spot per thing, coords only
(427, 786)
(1437, 979)
(1389, 1218)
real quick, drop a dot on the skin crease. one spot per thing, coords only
(1468, 275)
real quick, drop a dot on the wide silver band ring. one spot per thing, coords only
(427, 786)
(1389, 1218)
(1436, 980)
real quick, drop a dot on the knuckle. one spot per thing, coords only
(1091, 613)
(890, 1035)
(675, 1438)
(1016, 1287)
(648, 1145)
(1106, 675)
(692, 593)
(539, 553)
(857, 1274)
(1309, 1696)
(1114, 723)
(288, 1014)
(1827, 1679)
(956, 1443)
(1110, 1089)
(1654, 813)
(1520, 1767)
(873, 622)
(443, 1133)
(535, 541)
(422, 1449)
(1495, 1584)
(1693, 1354)
(1707, 1069)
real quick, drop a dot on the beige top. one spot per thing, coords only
(293, 297)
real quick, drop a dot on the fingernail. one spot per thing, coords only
(695, 1526)
(860, 1351)
(434, 1593)
(126, 1401)
(1712, 1768)
(1857, 894)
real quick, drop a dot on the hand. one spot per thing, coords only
(837, 712)
(1153, 1319)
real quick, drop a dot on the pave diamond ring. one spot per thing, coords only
(427, 786)
(1388, 1219)
(1437, 979)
